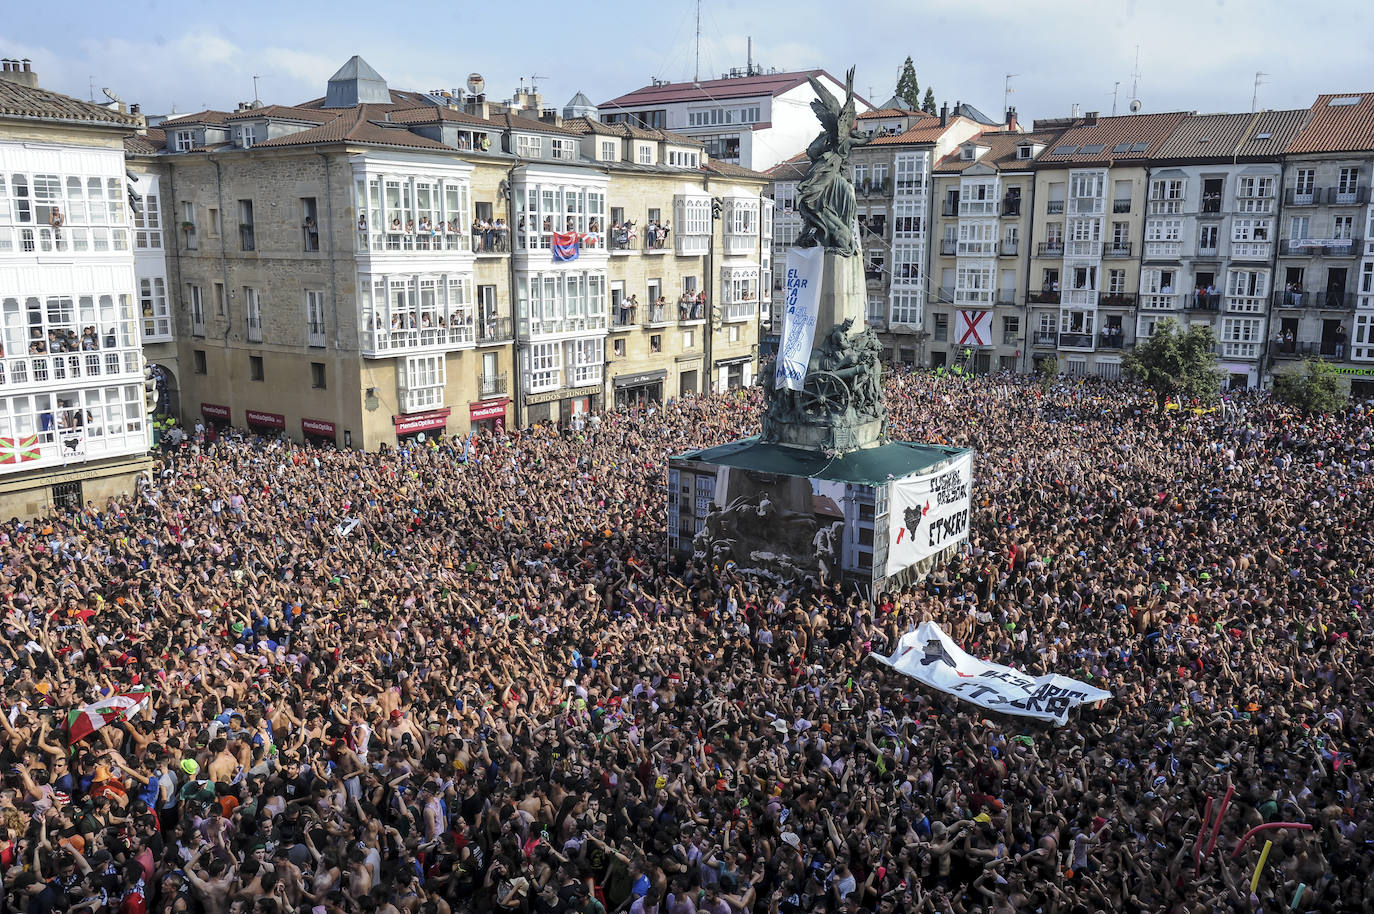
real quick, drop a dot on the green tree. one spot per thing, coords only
(1048, 371)
(928, 106)
(1311, 390)
(1177, 363)
(908, 89)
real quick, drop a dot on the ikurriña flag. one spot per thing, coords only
(566, 245)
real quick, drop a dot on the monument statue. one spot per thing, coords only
(826, 196)
(840, 406)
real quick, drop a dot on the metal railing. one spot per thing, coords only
(1050, 249)
(1118, 249)
(1075, 341)
(1011, 206)
(1202, 302)
(1046, 339)
(1311, 197)
(948, 246)
(489, 385)
(1118, 300)
(492, 329)
(1336, 197)
(1292, 349)
(1121, 206)
(1054, 207)
(1120, 339)
(1043, 297)
(491, 243)
(1009, 248)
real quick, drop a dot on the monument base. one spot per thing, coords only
(827, 437)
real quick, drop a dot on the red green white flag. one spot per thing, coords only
(82, 722)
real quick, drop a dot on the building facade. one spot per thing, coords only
(73, 416)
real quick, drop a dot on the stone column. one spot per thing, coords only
(844, 294)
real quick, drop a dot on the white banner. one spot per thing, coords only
(805, 267)
(929, 656)
(927, 514)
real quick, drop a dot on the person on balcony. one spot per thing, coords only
(396, 224)
(501, 232)
(362, 224)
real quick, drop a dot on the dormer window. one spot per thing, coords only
(247, 135)
(969, 153)
(646, 154)
(185, 140)
(608, 150)
(1023, 151)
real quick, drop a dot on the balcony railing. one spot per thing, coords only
(1043, 297)
(621, 243)
(493, 329)
(39, 369)
(491, 385)
(1211, 204)
(255, 330)
(1118, 249)
(1054, 207)
(1118, 300)
(977, 249)
(741, 310)
(1011, 206)
(1354, 197)
(1329, 300)
(1050, 249)
(945, 294)
(948, 246)
(1309, 197)
(1201, 301)
(624, 315)
(314, 334)
(950, 208)
(1163, 250)
(1006, 296)
(1327, 247)
(1042, 338)
(1121, 206)
(1115, 338)
(1009, 248)
(397, 240)
(690, 312)
(1251, 250)
(1292, 349)
(1083, 249)
(1075, 341)
(491, 244)
(1292, 298)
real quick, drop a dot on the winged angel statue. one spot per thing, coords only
(826, 195)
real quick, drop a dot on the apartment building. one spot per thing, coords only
(1214, 184)
(1089, 227)
(1324, 293)
(982, 199)
(747, 117)
(375, 265)
(73, 416)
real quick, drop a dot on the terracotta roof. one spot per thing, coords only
(284, 113)
(585, 125)
(892, 112)
(516, 122)
(926, 130)
(728, 170)
(1281, 127)
(1001, 154)
(793, 169)
(150, 142)
(362, 124)
(212, 118)
(21, 101)
(431, 114)
(1337, 123)
(771, 84)
(1131, 136)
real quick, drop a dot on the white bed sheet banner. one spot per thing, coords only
(800, 311)
(931, 657)
(929, 513)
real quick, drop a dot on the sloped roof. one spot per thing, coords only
(794, 169)
(1281, 127)
(1206, 136)
(17, 100)
(890, 112)
(432, 114)
(1140, 134)
(1337, 123)
(209, 118)
(399, 99)
(973, 114)
(1001, 154)
(516, 122)
(579, 100)
(584, 125)
(356, 83)
(150, 142)
(364, 125)
(926, 130)
(284, 113)
(730, 170)
(771, 84)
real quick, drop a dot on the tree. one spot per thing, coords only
(1177, 363)
(1048, 370)
(928, 106)
(908, 89)
(1313, 391)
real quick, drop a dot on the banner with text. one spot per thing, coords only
(805, 267)
(931, 657)
(929, 513)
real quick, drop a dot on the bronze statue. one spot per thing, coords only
(826, 196)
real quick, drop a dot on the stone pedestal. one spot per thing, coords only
(844, 294)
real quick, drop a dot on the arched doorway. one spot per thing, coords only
(168, 392)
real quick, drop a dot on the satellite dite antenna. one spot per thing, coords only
(1135, 84)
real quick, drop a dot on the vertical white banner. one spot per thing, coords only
(805, 266)
(929, 513)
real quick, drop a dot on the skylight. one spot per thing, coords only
(1263, 136)
(1092, 148)
(1344, 100)
(1122, 147)
(1140, 147)
(1065, 150)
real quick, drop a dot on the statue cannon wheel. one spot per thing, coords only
(825, 393)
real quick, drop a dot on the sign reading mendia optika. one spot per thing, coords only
(801, 307)
(928, 513)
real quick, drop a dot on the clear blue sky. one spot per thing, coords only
(1195, 54)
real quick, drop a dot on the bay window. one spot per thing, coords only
(1241, 337)
(152, 302)
(1166, 196)
(586, 360)
(402, 213)
(422, 382)
(693, 219)
(1246, 290)
(545, 209)
(68, 336)
(80, 422)
(543, 367)
(404, 311)
(567, 301)
(973, 285)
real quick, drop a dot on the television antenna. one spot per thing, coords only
(1135, 84)
(696, 68)
(1116, 87)
(1254, 96)
(1007, 90)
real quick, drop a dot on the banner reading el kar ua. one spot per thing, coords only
(931, 657)
(801, 307)
(929, 513)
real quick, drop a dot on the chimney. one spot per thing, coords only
(1090, 118)
(1012, 125)
(944, 114)
(19, 71)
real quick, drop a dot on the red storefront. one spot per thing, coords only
(318, 430)
(430, 423)
(488, 416)
(264, 423)
(216, 419)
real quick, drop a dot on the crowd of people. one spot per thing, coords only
(466, 676)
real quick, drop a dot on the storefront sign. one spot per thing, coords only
(492, 409)
(639, 380)
(554, 396)
(410, 423)
(1353, 371)
(214, 411)
(266, 420)
(317, 427)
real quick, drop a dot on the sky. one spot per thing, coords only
(1199, 55)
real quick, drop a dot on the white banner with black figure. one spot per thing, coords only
(931, 657)
(801, 307)
(929, 513)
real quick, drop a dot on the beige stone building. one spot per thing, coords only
(73, 417)
(375, 265)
